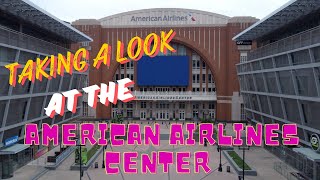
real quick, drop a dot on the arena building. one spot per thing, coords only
(198, 81)
(28, 32)
(280, 80)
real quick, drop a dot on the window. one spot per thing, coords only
(84, 44)
(311, 113)
(195, 61)
(286, 82)
(8, 54)
(243, 113)
(143, 105)
(271, 82)
(142, 115)
(195, 114)
(300, 57)
(182, 105)
(203, 78)
(203, 65)
(195, 106)
(276, 107)
(129, 65)
(211, 105)
(291, 107)
(260, 82)
(129, 105)
(85, 109)
(129, 113)
(256, 65)
(267, 63)
(243, 58)
(210, 78)
(282, 61)
(306, 82)
(182, 51)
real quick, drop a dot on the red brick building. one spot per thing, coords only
(204, 37)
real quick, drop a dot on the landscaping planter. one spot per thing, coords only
(91, 158)
(235, 159)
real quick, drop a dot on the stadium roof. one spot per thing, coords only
(286, 14)
(30, 12)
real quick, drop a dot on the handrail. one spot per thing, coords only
(172, 93)
(252, 54)
(32, 37)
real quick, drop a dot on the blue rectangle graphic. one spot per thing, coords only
(163, 71)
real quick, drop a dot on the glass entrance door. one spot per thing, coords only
(212, 114)
(163, 115)
(143, 115)
(181, 115)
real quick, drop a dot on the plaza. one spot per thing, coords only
(220, 69)
(256, 157)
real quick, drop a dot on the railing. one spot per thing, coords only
(18, 39)
(305, 38)
(283, 169)
(189, 93)
(182, 96)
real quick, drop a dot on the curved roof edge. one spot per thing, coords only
(165, 17)
(163, 9)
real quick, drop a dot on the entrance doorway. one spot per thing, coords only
(143, 115)
(182, 115)
(163, 115)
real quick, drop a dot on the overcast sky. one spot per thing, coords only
(70, 10)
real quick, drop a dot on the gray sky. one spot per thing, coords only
(70, 10)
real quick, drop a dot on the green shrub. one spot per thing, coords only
(92, 151)
(236, 158)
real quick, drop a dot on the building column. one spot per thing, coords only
(244, 47)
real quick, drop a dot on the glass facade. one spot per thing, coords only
(24, 104)
(283, 87)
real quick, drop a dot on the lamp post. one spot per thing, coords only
(243, 158)
(220, 165)
(79, 147)
(103, 164)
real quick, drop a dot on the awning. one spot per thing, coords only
(30, 12)
(14, 149)
(289, 12)
(309, 153)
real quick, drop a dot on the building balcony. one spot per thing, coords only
(175, 96)
(303, 39)
(18, 39)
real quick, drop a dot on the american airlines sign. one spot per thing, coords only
(162, 18)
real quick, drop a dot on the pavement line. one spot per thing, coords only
(212, 171)
(88, 175)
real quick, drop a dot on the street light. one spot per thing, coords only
(243, 160)
(79, 145)
(219, 149)
(104, 147)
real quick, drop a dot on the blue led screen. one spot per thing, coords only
(163, 71)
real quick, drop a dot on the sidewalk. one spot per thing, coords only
(34, 167)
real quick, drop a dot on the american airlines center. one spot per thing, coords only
(198, 81)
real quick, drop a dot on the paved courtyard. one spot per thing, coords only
(256, 157)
